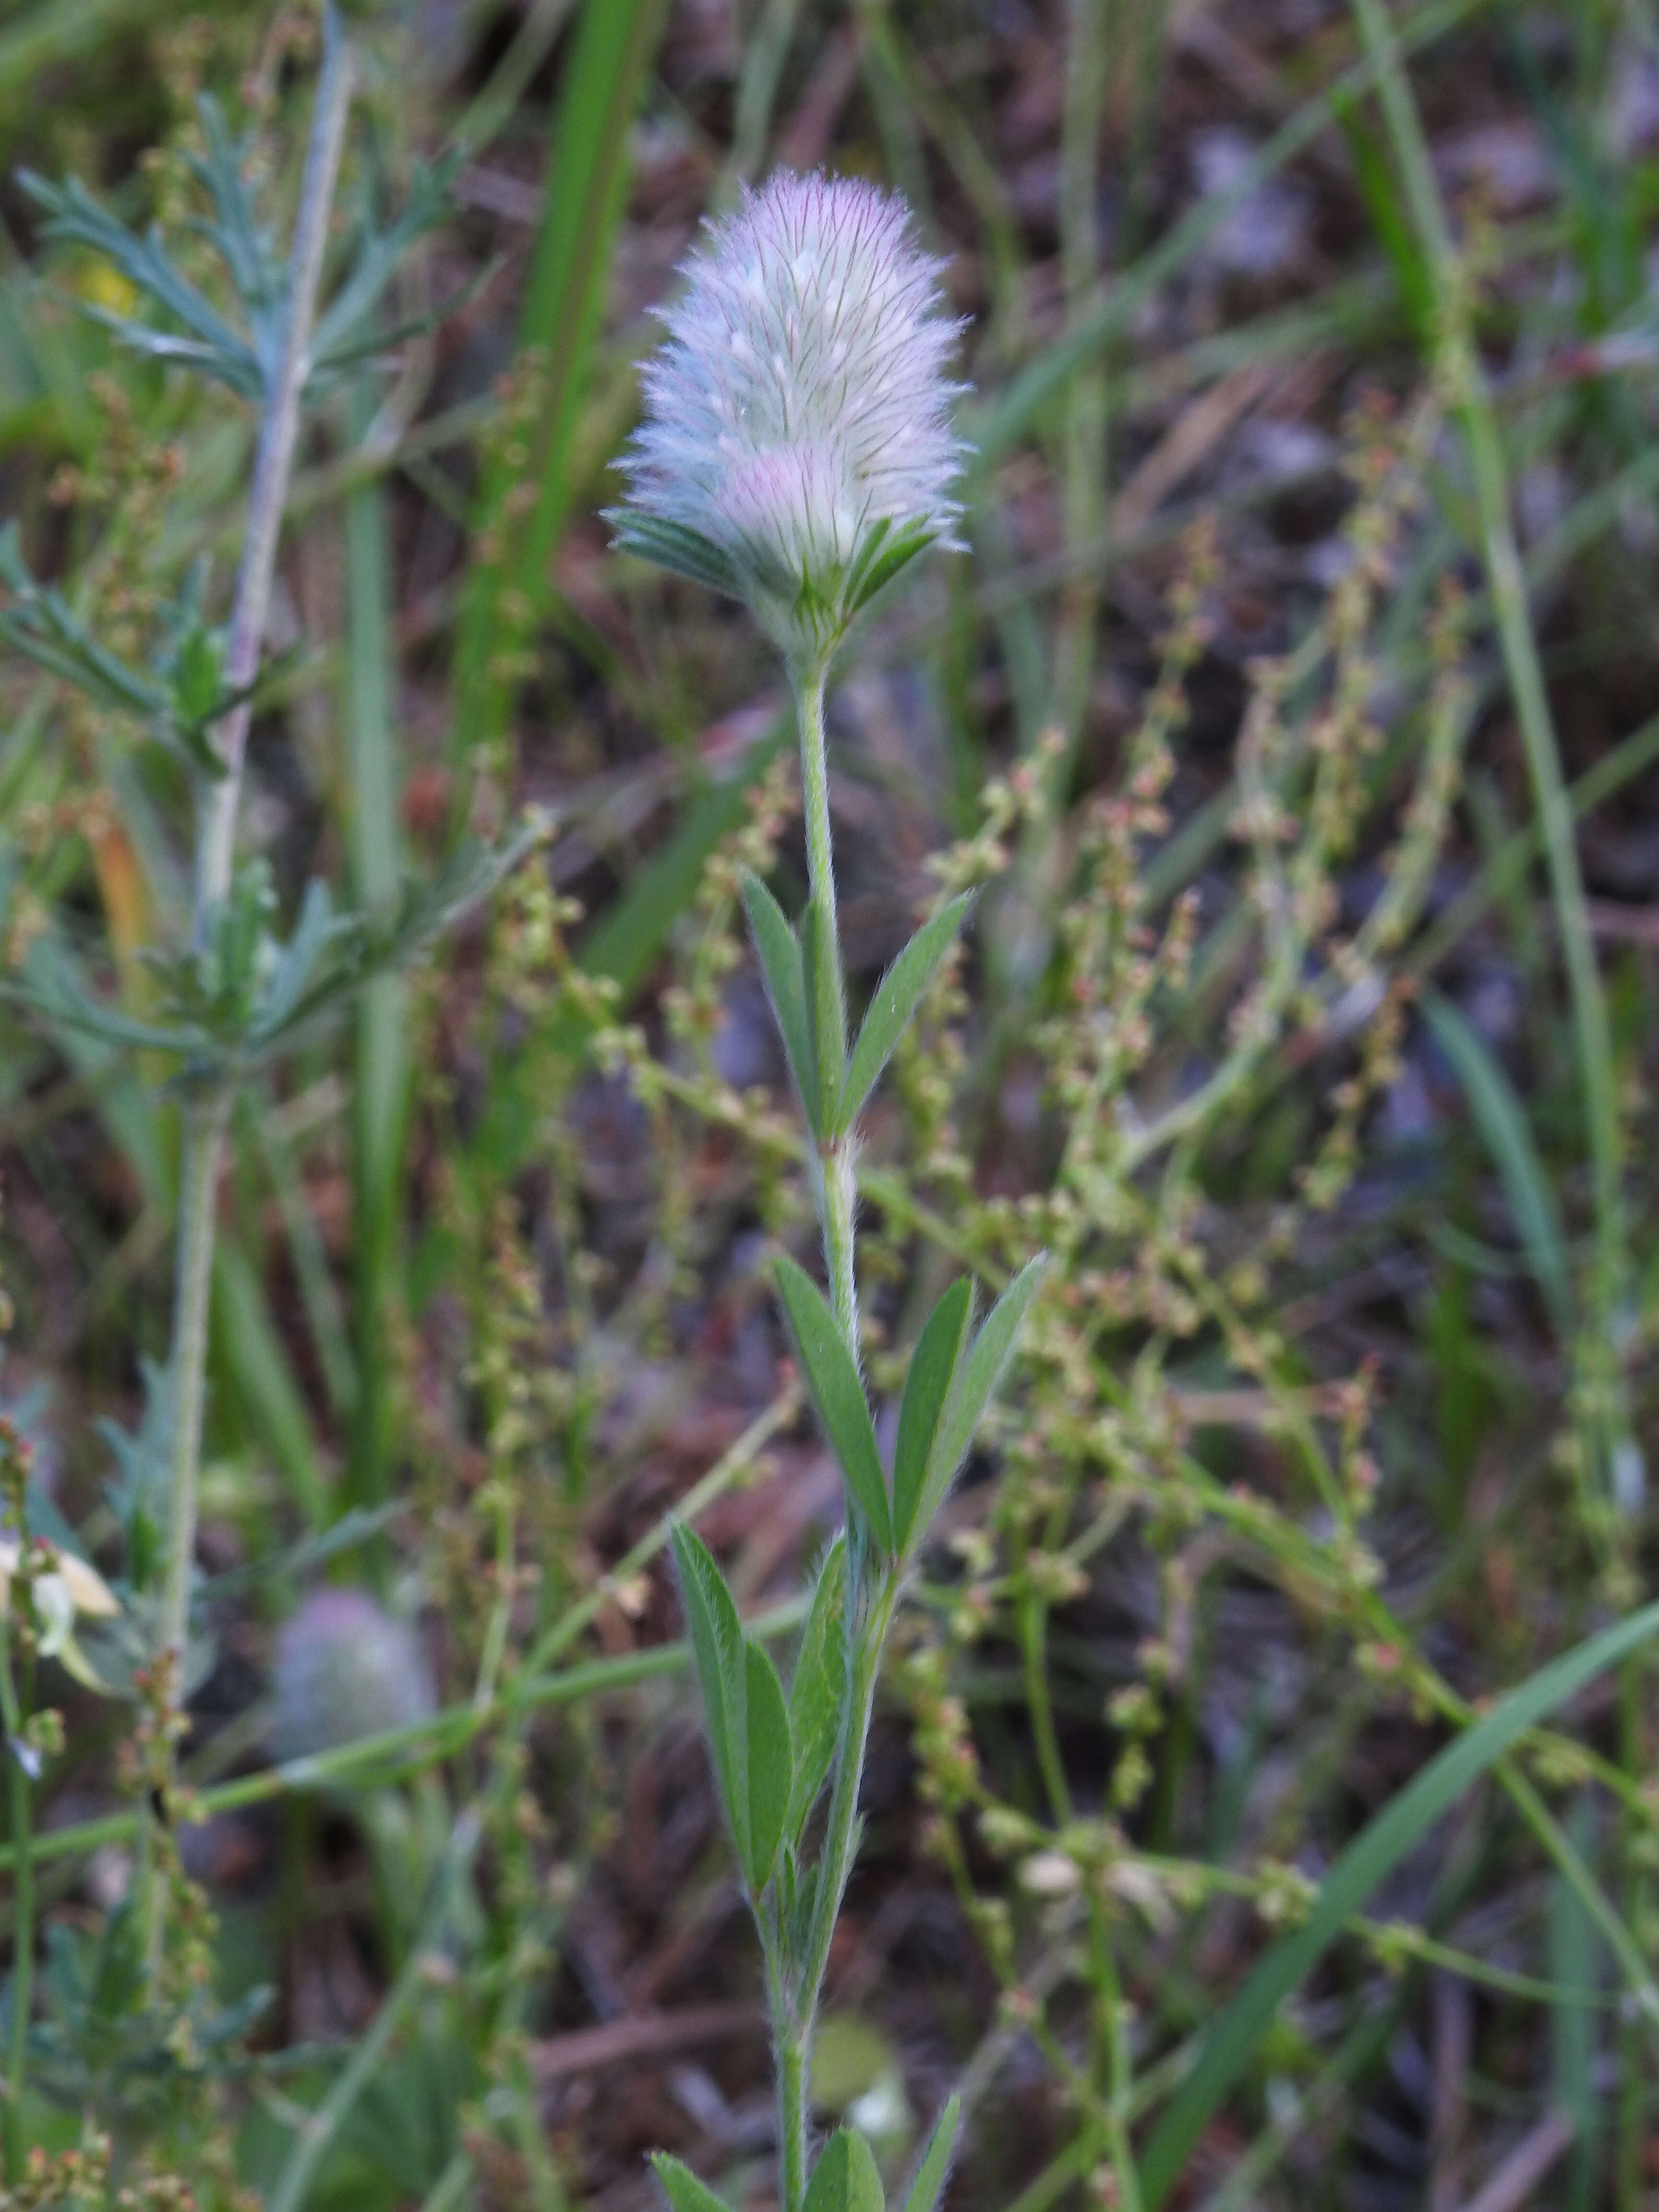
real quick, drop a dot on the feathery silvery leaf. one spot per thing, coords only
(72, 214)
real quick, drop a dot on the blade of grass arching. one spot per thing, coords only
(1010, 416)
(1574, 1957)
(393, 1754)
(1401, 1825)
(1394, 233)
(1460, 364)
(506, 592)
(630, 933)
(493, 105)
(325, 1316)
(1502, 1124)
(381, 1090)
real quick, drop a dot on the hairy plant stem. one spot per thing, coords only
(790, 2043)
(279, 431)
(217, 800)
(838, 1196)
(793, 1996)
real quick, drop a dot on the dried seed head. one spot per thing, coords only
(797, 449)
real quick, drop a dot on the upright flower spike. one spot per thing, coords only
(797, 450)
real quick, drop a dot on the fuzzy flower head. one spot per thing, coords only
(797, 450)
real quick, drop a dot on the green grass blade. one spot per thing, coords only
(381, 1092)
(1009, 418)
(1575, 1957)
(626, 939)
(1373, 1855)
(249, 1348)
(1503, 1125)
(614, 44)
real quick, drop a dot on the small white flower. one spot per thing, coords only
(797, 448)
(67, 1588)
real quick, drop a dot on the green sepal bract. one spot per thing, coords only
(933, 1367)
(685, 2192)
(928, 2185)
(893, 1004)
(786, 986)
(671, 545)
(819, 1688)
(879, 559)
(845, 2179)
(839, 1395)
(978, 1371)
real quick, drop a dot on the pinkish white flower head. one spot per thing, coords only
(797, 449)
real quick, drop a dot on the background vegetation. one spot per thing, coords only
(1292, 710)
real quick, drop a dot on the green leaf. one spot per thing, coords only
(845, 2179)
(771, 1765)
(780, 959)
(685, 2192)
(820, 961)
(1373, 1855)
(926, 2188)
(977, 1376)
(839, 1395)
(894, 1002)
(933, 1365)
(819, 1688)
(718, 1647)
(1502, 1124)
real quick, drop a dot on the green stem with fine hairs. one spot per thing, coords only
(838, 1200)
